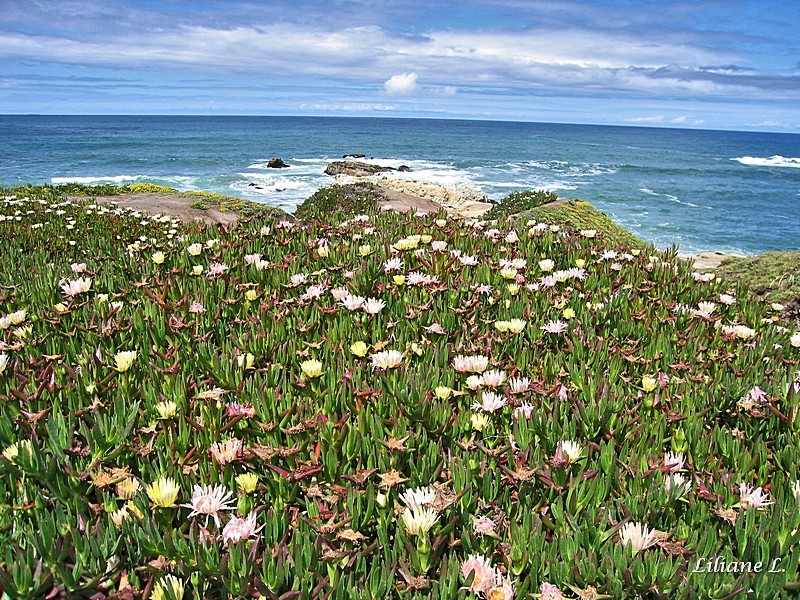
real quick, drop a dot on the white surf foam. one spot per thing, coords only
(773, 161)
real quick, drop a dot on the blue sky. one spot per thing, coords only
(717, 64)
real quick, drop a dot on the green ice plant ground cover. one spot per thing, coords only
(385, 406)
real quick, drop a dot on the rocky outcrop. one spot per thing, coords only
(355, 155)
(354, 168)
(276, 163)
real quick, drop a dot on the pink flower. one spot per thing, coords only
(484, 289)
(483, 525)
(550, 592)
(435, 328)
(340, 293)
(483, 577)
(494, 378)
(209, 500)
(525, 409)
(78, 267)
(227, 451)
(298, 279)
(238, 529)
(554, 327)
(78, 286)
(467, 261)
(438, 246)
(234, 409)
(197, 308)
(216, 269)
(252, 259)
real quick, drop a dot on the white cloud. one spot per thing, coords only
(681, 119)
(398, 85)
(653, 119)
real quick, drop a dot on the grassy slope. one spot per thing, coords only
(579, 214)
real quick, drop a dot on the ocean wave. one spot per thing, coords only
(772, 161)
(90, 180)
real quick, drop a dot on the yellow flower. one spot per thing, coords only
(425, 239)
(312, 368)
(580, 263)
(588, 233)
(649, 384)
(568, 313)
(250, 295)
(399, 279)
(125, 360)
(133, 510)
(636, 252)
(479, 421)
(513, 288)
(158, 257)
(167, 409)
(440, 222)
(416, 348)
(442, 392)
(163, 492)
(194, 249)
(168, 587)
(358, 348)
(508, 273)
(60, 307)
(365, 250)
(245, 361)
(323, 251)
(197, 270)
(502, 326)
(247, 482)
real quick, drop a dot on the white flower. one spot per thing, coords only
(674, 461)
(77, 286)
(3, 362)
(727, 299)
(209, 500)
(387, 359)
(753, 498)
(474, 364)
(494, 378)
(795, 339)
(373, 306)
(393, 264)
(352, 302)
(490, 402)
(638, 536)
(519, 385)
(418, 497)
(677, 482)
(419, 520)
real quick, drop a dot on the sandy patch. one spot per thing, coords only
(708, 261)
(173, 205)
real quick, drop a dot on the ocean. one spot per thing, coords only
(700, 190)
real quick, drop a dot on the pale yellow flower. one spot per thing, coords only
(399, 279)
(171, 583)
(323, 251)
(513, 288)
(365, 250)
(250, 295)
(166, 409)
(197, 270)
(516, 325)
(194, 249)
(125, 360)
(508, 273)
(128, 488)
(580, 263)
(479, 421)
(359, 348)
(163, 492)
(158, 257)
(442, 392)
(649, 384)
(311, 368)
(247, 482)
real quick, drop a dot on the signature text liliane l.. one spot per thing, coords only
(721, 565)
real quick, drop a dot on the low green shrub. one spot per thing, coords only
(350, 199)
(516, 202)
